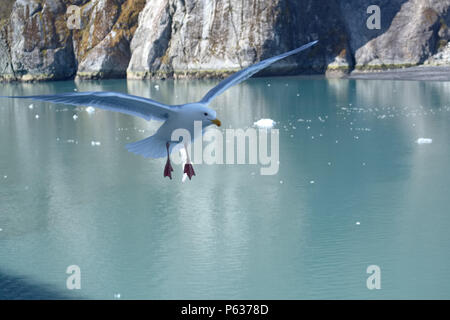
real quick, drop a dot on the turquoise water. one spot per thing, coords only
(353, 189)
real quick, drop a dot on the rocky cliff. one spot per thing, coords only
(203, 38)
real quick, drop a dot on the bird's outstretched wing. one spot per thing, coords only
(114, 101)
(246, 73)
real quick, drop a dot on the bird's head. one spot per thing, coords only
(207, 115)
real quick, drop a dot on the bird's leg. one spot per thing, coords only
(168, 168)
(188, 168)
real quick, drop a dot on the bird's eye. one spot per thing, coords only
(205, 113)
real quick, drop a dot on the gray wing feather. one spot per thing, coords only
(246, 73)
(114, 101)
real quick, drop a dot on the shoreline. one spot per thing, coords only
(418, 73)
(415, 73)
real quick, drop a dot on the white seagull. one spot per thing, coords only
(174, 116)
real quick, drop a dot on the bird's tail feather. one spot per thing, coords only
(151, 147)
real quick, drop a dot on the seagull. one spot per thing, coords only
(174, 117)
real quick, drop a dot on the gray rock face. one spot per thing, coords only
(6, 71)
(212, 38)
(412, 37)
(40, 45)
(102, 46)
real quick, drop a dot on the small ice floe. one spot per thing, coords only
(36, 116)
(358, 223)
(281, 181)
(117, 296)
(312, 182)
(424, 141)
(31, 106)
(264, 123)
(156, 86)
(90, 110)
(75, 117)
(75, 89)
(321, 119)
(5, 177)
(95, 143)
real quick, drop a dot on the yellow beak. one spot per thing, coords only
(216, 122)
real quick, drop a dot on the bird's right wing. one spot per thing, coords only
(114, 101)
(246, 73)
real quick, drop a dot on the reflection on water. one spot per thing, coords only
(347, 155)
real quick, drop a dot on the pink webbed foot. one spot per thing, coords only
(189, 170)
(168, 170)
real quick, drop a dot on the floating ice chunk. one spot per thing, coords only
(75, 89)
(75, 117)
(312, 182)
(36, 116)
(31, 106)
(358, 223)
(156, 86)
(116, 295)
(95, 143)
(264, 123)
(90, 110)
(5, 177)
(424, 141)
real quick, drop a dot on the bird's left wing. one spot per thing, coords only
(246, 73)
(114, 101)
